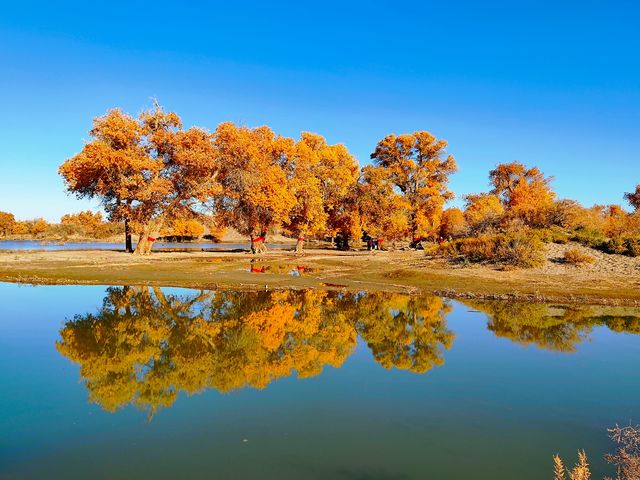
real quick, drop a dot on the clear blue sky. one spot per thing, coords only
(556, 84)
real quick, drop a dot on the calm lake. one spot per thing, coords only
(140, 383)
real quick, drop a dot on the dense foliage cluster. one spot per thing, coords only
(150, 172)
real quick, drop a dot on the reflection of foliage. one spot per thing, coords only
(405, 332)
(144, 346)
(555, 328)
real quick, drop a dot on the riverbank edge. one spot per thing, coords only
(399, 272)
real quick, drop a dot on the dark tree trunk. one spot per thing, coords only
(127, 237)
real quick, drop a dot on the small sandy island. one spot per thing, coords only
(611, 279)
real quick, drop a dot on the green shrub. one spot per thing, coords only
(629, 246)
(589, 237)
(554, 234)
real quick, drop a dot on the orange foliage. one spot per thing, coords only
(453, 223)
(256, 195)
(419, 167)
(87, 220)
(7, 223)
(382, 211)
(144, 171)
(184, 228)
(320, 177)
(38, 226)
(143, 346)
(525, 192)
(483, 211)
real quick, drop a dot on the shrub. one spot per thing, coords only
(633, 247)
(573, 256)
(629, 246)
(517, 249)
(521, 250)
(553, 234)
(589, 237)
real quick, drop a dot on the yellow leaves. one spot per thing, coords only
(417, 165)
(116, 129)
(482, 210)
(383, 211)
(271, 325)
(452, 223)
(185, 228)
(7, 223)
(321, 176)
(256, 194)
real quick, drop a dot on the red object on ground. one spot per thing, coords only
(417, 239)
(257, 239)
(300, 239)
(151, 239)
(258, 269)
(300, 267)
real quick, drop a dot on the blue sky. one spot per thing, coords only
(555, 84)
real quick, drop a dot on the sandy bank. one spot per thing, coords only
(612, 279)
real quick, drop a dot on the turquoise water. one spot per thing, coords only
(127, 382)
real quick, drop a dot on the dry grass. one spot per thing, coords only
(576, 257)
(626, 458)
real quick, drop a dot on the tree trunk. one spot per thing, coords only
(145, 241)
(128, 246)
(257, 244)
(300, 243)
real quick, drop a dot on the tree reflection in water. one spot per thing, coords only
(554, 327)
(144, 346)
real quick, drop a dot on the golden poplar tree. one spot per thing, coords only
(256, 194)
(420, 167)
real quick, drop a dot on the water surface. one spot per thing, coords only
(132, 382)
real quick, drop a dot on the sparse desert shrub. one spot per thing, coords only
(524, 250)
(479, 249)
(517, 249)
(576, 257)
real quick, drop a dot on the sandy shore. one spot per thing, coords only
(612, 279)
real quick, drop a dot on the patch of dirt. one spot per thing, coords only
(605, 264)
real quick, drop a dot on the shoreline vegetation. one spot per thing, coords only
(607, 280)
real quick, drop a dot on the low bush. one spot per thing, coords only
(553, 234)
(576, 257)
(629, 246)
(589, 237)
(523, 249)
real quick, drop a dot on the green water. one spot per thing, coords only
(134, 383)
